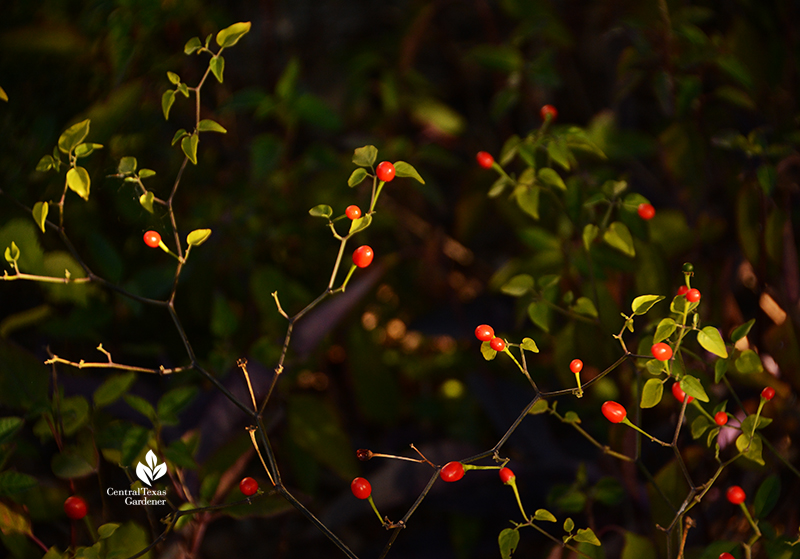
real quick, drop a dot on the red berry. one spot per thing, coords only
(362, 256)
(353, 212)
(726, 555)
(661, 351)
(485, 159)
(361, 488)
(484, 332)
(497, 344)
(679, 394)
(248, 486)
(646, 211)
(452, 471)
(548, 110)
(768, 393)
(614, 412)
(683, 290)
(152, 239)
(720, 418)
(506, 475)
(75, 507)
(576, 365)
(735, 495)
(385, 171)
(693, 295)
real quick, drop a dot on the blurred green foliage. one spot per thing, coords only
(693, 104)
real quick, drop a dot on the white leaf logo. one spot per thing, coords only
(153, 472)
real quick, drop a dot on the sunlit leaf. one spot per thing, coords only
(403, 169)
(508, 541)
(652, 392)
(586, 535)
(487, 352)
(192, 45)
(356, 177)
(40, 210)
(711, 340)
(365, 156)
(544, 515)
(207, 125)
(231, 34)
(551, 177)
(749, 362)
(217, 65)
(664, 330)
(322, 210)
(360, 224)
(619, 236)
(189, 147)
(45, 163)
(644, 303)
(79, 182)
(528, 200)
(86, 148)
(585, 307)
(146, 200)
(589, 235)
(127, 166)
(73, 136)
(167, 99)
(198, 237)
(529, 345)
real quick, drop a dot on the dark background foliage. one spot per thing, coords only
(695, 105)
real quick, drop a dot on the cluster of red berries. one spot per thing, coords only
(485, 333)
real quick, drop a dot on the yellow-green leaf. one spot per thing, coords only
(231, 35)
(167, 99)
(518, 285)
(403, 169)
(360, 224)
(198, 237)
(749, 362)
(192, 45)
(693, 387)
(73, 136)
(528, 200)
(508, 541)
(529, 345)
(551, 177)
(146, 200)
(127, 166)
(174, 78)
(585, 306)
(356, 177)
(589, 235)
(365, 156)
(13, 521)
(45, 163)
(146, 173)
(189, 147)
(87, 148)
(207, 125)
(711, 340)
(12, 253)
(644, 303)
(619, 236)
(322, 210)
(487, 351)
(651, 393)
(40, 210)
(586, 535)
(217, 65)
(78, 181)
(178, 135)
(544, 515)
(664, 330)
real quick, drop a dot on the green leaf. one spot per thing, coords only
(529, 345)
(146, 173)
(189, 147)
(571, 417)
(127, 166)
(754, 449)
(73, 136)
(321, 210)
(106, 530)
(74, 414)
(192, 45)
(651, 393)
(167, 99)
(315, 426)
(741, 331)
(518, 285)
(487, 351)
(217, 65)
(178, 135)
(134, 440)
(539, 314)
(14, 520)
(767, 496)
(113, 388)
(79, 182)
(146, 200)
(40, 210)
(360, 224)
(540, 406)
(544, 515)
(356, 177)
(559, 152)
(69, 465)
(664, 330)
(365, 156)
(711, 340)
(174, 78)
(9, 427)
(207, 125)
(586, 535)
(528, 200)
(720, 368)
(45, 163)
(748, 362)
(693, 387)
(403, 169)
(644, 303)
(85, 149)
(508, 541)
(569, 525)
(589, 235)
(173, 402)
(231, 34)
(498, 187)
(142, 406)
(198, 237)
(700, 425)
(585, 307)
(551, 177)
(12, 483)
(619, 236)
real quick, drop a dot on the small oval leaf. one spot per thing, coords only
(79, 182)
(146, 200)
(322, 210)
(651, 393)
(198, 237)
(644, 303)
(167, 99)
(544, 515)
(529, 345)
(231, 34)
(619, 236)
(365, 156)
(356, 177)
(189, 147)
(711, 340)
(208, 125)
(40, 210)
(403, 169)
